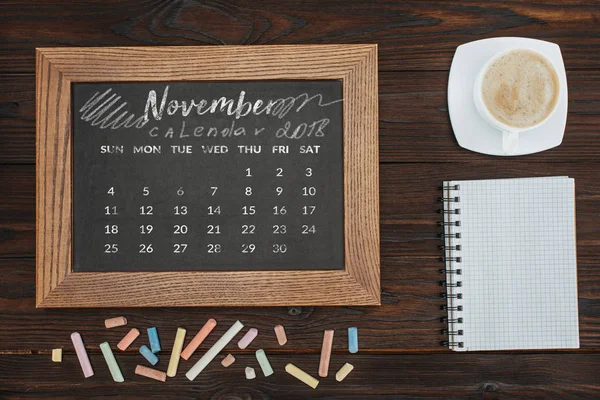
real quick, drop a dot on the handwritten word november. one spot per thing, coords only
(106, 109)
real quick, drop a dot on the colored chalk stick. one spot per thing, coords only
(148, 355)
(227, 361)
(301, 375)
(353, 340)
(343, 372)
(57, 355)
(264, 363)
(214, 350)
(115, 322)
(82, 355)
(150, 373)
(326, 353)
(248, 338)
(250, 373)
(281, 336)
(153, 339)
(176, 352)
(128, 339)
(113, 367)
(198, 339)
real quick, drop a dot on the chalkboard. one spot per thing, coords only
(172, 176)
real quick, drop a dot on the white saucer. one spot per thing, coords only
(471, 131)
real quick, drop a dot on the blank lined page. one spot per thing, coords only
(518, 262)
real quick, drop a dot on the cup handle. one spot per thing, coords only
(510, 142)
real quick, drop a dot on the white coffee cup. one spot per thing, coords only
(510, 134)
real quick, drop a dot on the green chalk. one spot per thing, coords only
(265, 365)
(115, 371)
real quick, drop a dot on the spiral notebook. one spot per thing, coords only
(511, 264)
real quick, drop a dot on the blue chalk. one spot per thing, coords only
(148, 355)
(153, 338)
(353, 339)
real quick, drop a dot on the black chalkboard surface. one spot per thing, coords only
(208, 176)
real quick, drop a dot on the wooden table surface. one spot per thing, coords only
(400, 356)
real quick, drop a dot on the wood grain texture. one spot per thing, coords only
(58, 286)
(413, 35)
(382, 377)
(53, 178)
(399, 355)
(413, 120)
(407, 204)
(219, 63)
(409, 316)
(407, 320)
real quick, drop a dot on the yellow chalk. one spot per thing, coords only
(57, 355)
(176, 353)
(301, 375)
(343, 372)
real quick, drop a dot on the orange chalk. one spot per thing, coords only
(326, 353)
(227, 361)
(128, 339)
(280, 333)
(198, 339)
(114, 322)
(151, 373)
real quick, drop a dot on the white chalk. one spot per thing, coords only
(214, 350)
(250, 373)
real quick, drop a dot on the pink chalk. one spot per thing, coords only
(280, 333)
(248, 338)
(82, 355)
(227, 361)
(326, 353)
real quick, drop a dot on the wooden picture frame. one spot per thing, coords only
(58, 286)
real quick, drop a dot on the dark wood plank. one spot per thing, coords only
(448, 376)
(415, 126)
(416, 37)
(17, 211)
(407, 320)
(17, 118)
(408, 203)
(413, 120)
(412, 34)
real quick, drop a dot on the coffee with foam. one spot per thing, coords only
(520, 88)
